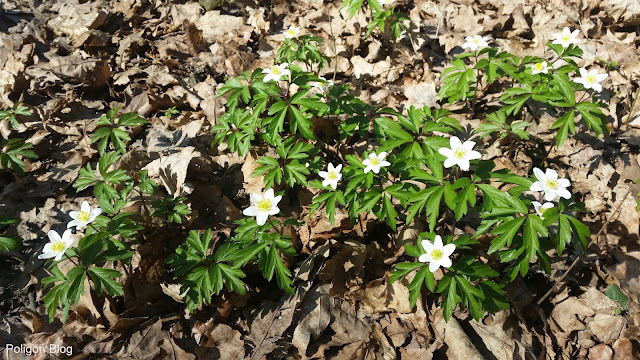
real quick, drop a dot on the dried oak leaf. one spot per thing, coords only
(172, 169)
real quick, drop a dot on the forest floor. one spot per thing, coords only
(72, 61)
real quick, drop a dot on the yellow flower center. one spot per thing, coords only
(543, 210)
(591, 79)
(264, 205)
(552, 184)
(375, 161)
(566, 37)
(459, 153)
(332, 175)
(83, 216)
(292, 32)
(475, 40)
(436, 254)
(57, 246)
(539, 66)
(275, 70)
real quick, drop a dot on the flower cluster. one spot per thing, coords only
(262, 206)
(292, 32)
(276, 72)
(552, 186)
(566, 37)
(459, 153)
(436, 254)
(58, 245)
(475, 42)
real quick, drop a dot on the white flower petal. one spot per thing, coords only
(539, 174)
(423, 258)
(261, 218)
(448, 249)
(464, 164)
(73, 223)
(454, 142)
(445, 262)
(427, 246)
(54, 236)
(583, 72)
(433, 266)
(268, 194)
(474, 155)
(276, 200)
(450, 162)
(563, 193)
(536, 186)
(446, 152)
(468, 145)
(85, 207)
(437, 242)
(549, 195)
(250, 211)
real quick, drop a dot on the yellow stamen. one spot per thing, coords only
(436, 254)
(459, 153)
(264, 205)
(591, 79)
(57, 246)
(83, 216)
(332, 175)
(566, 37)
(552, 184)
(275, 70)
(539, 66)
(374, 161)
(543, 210)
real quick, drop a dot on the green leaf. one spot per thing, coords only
(564, 87)
(614, 293)
(103, 279)
(530, 237)
(565, 124)
(9, 244)
(507, 231)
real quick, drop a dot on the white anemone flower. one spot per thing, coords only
(590, 79)
(323, 85)
(83, 217)
(549, 183)
(332, 176)
(541, 208)
(460, 153)
(263, 206)
(292, 32)
(57, 245)
(541, 67)
(475, 42)
(436, 254)
(566, 37)
(375, 162)
(276, 72)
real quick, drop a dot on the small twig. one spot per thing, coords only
(546, 295)
(70, 259)
(633, 106)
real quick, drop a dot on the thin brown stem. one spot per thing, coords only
(633, 107)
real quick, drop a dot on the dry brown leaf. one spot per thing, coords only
(172, 169)
(315, 317)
